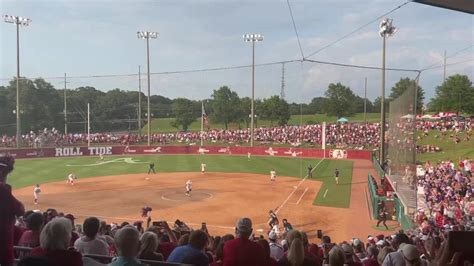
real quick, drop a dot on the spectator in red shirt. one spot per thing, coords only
(31, 237)
(9, 208)
(54, 243)
(242, 251)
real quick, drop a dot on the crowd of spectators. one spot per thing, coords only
(355, 135)
(448, 192)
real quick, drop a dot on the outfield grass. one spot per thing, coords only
(450, 150)
(164, 124)
(336, 195)
(32, 171)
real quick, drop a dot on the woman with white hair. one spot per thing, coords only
(54, 244)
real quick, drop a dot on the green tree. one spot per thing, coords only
(376, 105)
(402, 86)
(184, 114)
(225, 106)
(455, 94)
(316, 105)
(340, 100)
(276, 109)
(359, 105)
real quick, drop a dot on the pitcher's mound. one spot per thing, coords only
(180, 196)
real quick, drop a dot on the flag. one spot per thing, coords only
(205, 119)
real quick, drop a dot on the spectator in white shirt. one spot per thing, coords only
(90, 243)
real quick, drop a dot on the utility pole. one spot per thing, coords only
(65, 105)
(23, 22)
(365, 101)
(282, 91)
(444, 72)
(147, 35)
(139, 117)
(88, 125)
(253, 38)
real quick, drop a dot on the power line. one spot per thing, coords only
(225, 68)
(294, 27)
(451, 55)
(452, 64)
(360, 66)
(357, 29)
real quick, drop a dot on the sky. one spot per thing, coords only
(90, 38)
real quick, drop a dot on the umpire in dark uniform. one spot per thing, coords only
(310, 171)
(152, 168)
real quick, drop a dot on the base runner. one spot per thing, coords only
(36, 192)
(189, 188)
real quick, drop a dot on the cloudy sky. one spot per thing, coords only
(89, 38)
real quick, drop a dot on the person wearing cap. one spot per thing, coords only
(276, 250)
(411, 255)
(242, 251)
(9, 208)
(396, 258)
(359, 249)
(349, 256)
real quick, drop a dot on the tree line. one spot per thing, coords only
(42, 105)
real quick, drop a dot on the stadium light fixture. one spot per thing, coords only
(253, 38)
(19, 21)
(386, 29)
(148, 35)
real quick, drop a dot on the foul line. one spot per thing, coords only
(294, 189)
(326, 192)
(304, 192)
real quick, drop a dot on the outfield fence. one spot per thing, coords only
(393, 205)
(190, 150)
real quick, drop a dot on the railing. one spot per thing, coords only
(108, 258)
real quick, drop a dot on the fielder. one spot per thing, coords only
(36, 192)
(336, 176)
(70, 179)
(189, 188)
(273, 175)
(101, 156)
(203, 168)
(248, 156)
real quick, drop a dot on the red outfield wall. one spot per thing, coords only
(157, 150)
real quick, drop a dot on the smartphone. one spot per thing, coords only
(158, 223)
(461, 241)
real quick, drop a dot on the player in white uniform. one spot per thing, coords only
(36, 192)
(101, 156)
(189, 188)
(273, 175)
(70, 178)
(203, 168)
(248, 156)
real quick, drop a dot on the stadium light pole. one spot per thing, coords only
(386, 29)
(23, 22)
(148, 35)
(253, 38)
